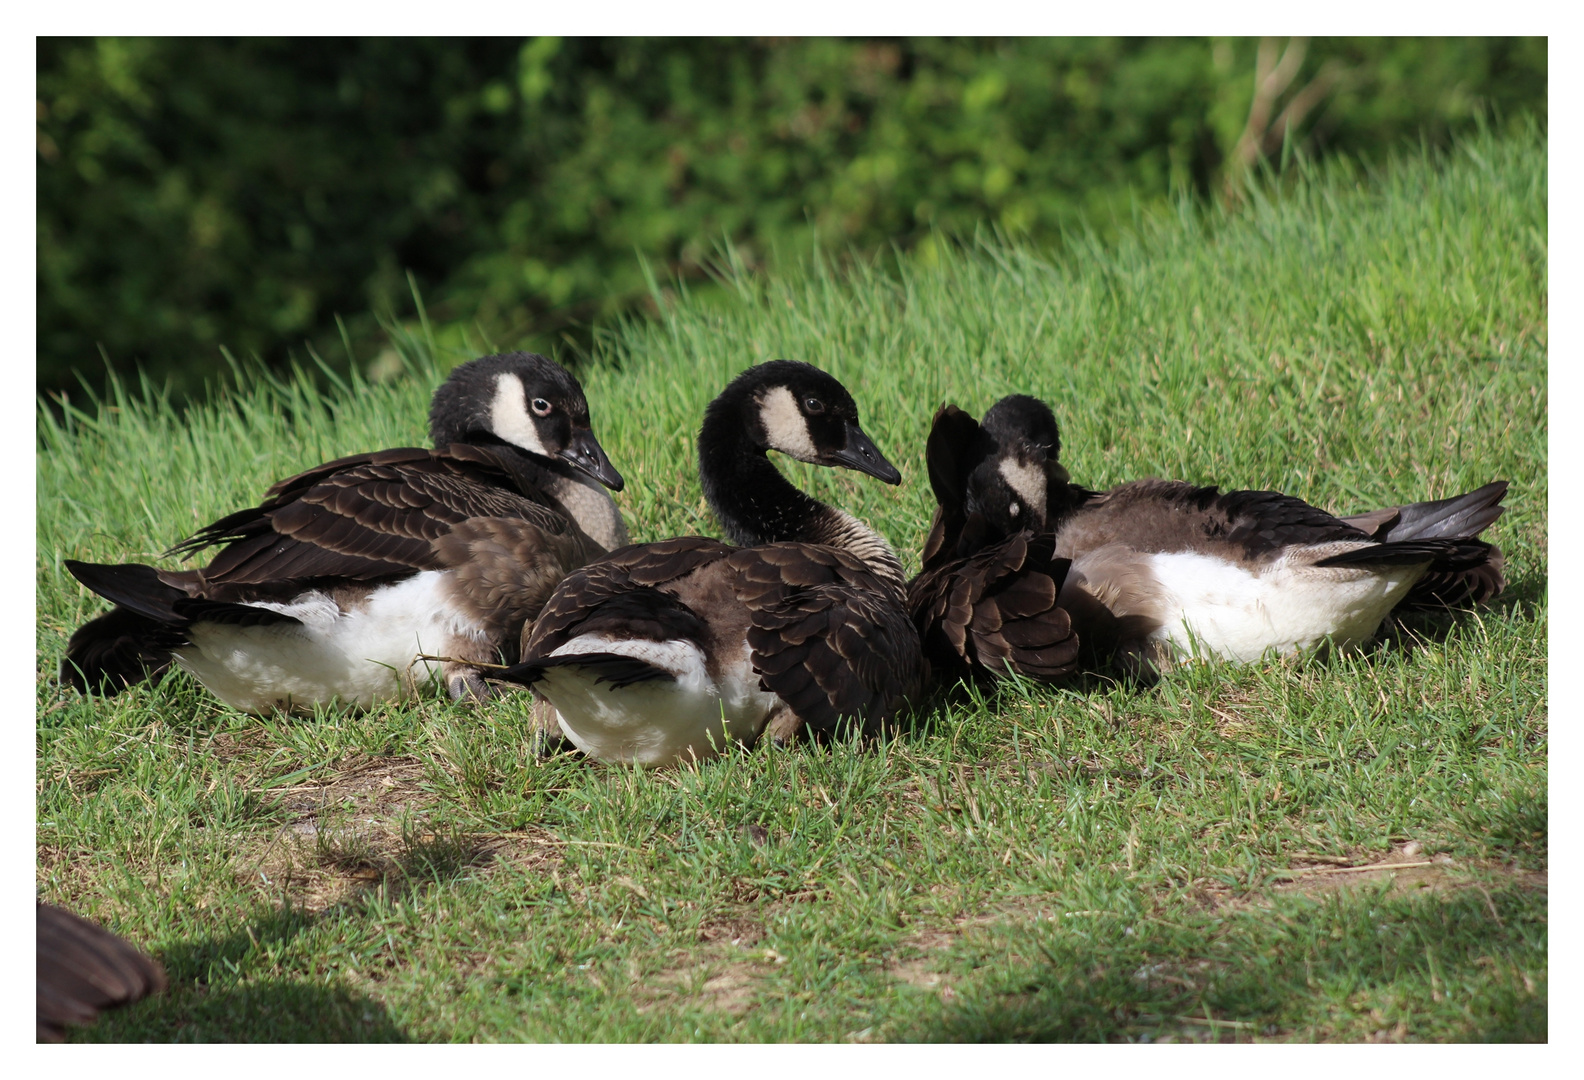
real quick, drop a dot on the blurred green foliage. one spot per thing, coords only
(197, 193)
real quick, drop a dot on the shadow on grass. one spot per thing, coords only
(420, 861)
(1515, 828)
(268, 1010)
(228, 988)
(1520, 601)
(1361, 968)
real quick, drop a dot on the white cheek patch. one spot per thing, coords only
(509, 415)
(1028, 481)
(785, 427)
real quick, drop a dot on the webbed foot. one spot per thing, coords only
(467, 687)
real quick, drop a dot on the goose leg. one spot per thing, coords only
(465, 685)
(547, 737)
(783, 727)
(463, 681)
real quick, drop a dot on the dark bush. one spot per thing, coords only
(196, 193)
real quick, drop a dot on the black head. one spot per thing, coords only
(1024, 426)
(523, 400)
(801, 411)
(1009, 489)
(999, 508)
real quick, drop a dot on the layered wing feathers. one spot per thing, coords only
(622, 571)
(997, 610)
(362, 518)
(984, 600)
(827, 637)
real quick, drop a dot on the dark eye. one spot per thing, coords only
(540, 406)
(813, 406)
(1015, 509)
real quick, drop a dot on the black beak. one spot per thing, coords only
(860, 454)
(584, 452)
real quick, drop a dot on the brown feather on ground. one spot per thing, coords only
(84, 969)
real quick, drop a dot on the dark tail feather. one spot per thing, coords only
(615, 668)
(84, 969)
(1443, 555)
(118, 649)
(1461, 572)
(193, 609)
(131, 643)
(1459, 588)
(1462, 517)
(131, 585)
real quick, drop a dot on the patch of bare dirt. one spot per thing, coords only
(378, 786)
(724, 976)
(732, 931)
(359, 826)
(1407, 869)
(916, 965)
(231, 745)
(729, 990)
(915, 962)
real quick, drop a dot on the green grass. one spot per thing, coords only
(1091, 863)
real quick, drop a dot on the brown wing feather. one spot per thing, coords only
(997, 611)
(362, 518)
(84, 969)
(1375, 524)
(826, 635)
(636, 566)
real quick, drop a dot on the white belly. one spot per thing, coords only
(360, 657)
(687, 717)
(1225, 611)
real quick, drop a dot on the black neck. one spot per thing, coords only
(532, 472)
(754, 503)
(1062, 497)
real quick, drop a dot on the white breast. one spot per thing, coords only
(362, 656)
(689, 716)
(1227, 611)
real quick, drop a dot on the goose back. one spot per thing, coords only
(1183, 568)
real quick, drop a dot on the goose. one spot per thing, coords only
(345, 575)
(84, 969)
(659, 653)
(1161, 569)
(985, 597)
